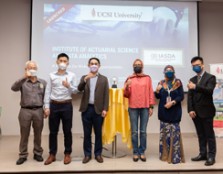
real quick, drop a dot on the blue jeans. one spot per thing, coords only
(135, 114)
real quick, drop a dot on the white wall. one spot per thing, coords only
(14, 48)
(211, 32)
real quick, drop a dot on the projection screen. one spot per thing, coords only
(116, 32)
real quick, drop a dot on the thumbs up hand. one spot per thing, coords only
(191, 85)
(66, 83)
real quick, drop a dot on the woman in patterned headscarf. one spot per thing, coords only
(170, 93)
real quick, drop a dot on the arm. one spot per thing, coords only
(47, 94)
(180, 97)
(158, 90)
(151, 98)
(208, 88)
(81, 84)
(190, 106)
(106, 96)
(18, 84)
(47, 98)
(151, 94)
(106, 99)
(127, 88)
(190, 101)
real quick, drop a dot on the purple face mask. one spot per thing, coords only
(94, 68)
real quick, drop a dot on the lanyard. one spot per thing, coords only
(168, 90)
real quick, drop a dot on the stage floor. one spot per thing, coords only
(9, 155)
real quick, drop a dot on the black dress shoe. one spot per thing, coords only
(143, 158)
(209, 162)
(135, 158)
(86, 159)
(99, 159)
(21, 161)
(38, 158)
(199, 158)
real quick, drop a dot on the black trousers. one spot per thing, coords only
(206, 136)
(91, 119)
(59, 112)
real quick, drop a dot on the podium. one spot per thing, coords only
(116, 122)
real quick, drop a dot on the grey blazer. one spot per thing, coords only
(101, 98)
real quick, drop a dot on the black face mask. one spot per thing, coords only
(137, 69)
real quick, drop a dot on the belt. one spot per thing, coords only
(32, 107)
(61, 102)
(90, 104)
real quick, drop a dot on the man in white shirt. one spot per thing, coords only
(58, 106)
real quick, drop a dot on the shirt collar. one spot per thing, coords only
(202, 73)
(37, 80)
(56, 73)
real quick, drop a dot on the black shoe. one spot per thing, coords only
(38, 158)
(99, 159)
(21, 161)
(86, 159)
(199, 158)
(135, 158)
(209, 162)
(143, 158)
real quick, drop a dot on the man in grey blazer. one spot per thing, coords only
(202, 110)
(94, 107)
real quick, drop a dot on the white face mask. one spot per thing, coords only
(33, 72)
(93, 68)
(62, 66)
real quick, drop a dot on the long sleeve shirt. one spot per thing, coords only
(55, 89)
(173, 114)
(141, 94)
(32, 93)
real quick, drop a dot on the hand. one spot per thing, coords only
(150, 112)
(66, 83)
(88, 76)
(46, 112)
(191, 85)
(168, 105)
(192, 114)
(104, 113)
(158, 88)
(27, 74)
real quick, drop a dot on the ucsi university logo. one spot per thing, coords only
(100, 14)
(93, 13)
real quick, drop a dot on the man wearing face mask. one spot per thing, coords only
(94, 107)
(202, 110)
(138, 89)
(31, 113)
(58, 106)
(170, 94)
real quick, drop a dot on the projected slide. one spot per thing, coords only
(117, 32)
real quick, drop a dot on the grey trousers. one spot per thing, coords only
(28, 118)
